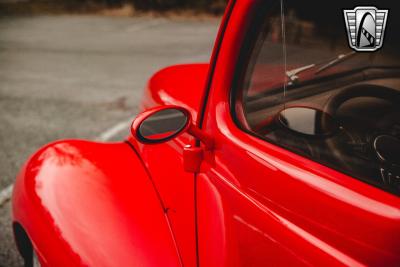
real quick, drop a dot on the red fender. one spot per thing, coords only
(92, 204)
(180, 85)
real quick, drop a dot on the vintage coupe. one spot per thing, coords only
(283, 150)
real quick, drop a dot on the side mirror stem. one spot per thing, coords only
(203, 137)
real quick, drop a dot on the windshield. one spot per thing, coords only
(320, 34)
(313, 38)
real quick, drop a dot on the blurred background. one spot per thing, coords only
(133, 6)
(76, 70)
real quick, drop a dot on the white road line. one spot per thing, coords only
(5, 194)
(113, 131)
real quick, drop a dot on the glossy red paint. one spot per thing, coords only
(192, 158)
(180, 85)
(258, 203)
(250, 204)
(91, 204)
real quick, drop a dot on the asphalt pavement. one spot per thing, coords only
(65, 77)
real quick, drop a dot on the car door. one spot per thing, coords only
(264, 201)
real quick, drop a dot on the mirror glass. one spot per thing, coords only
(308, 121)
(162, 125)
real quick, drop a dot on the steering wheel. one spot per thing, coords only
(362, 90)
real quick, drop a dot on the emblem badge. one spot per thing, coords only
(365, 27)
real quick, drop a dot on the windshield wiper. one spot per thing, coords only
(340, 58)
(292, 74)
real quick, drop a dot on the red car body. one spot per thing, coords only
(80, 203)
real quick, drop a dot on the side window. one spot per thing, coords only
(303, 88)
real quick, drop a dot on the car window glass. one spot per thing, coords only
(305, 89)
